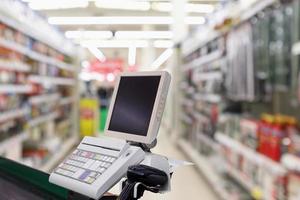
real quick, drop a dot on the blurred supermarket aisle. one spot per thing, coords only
(187, 183)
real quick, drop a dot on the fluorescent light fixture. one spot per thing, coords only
(163, 44)
(144, 34)
(194, 20)
(123, 5)
(199, 8)
(162, 58)
(115, 43)
(88, 76)
(125, 20)
(131, 56)
(88, 34)
(97, 53)
(57, 4)
(162, 7)
(189, 7)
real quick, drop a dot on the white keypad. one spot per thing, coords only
(85, 166)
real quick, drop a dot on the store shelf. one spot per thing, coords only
(206, 76)
(43, 98)
(186, 119)
(291, 162)
(187, 102)
(42, 119)
(61, 153)
(251, 155)
(14, 66)
(199, 116)
(245, 14)
(208, 141)
(15, 113)
(212, 98)
(193, 44)
(7, 144)
(206, 169)
(203, 60)
(66, 100)
(257, 7)
(245, 182)
(14, 89)
(34, 55)
(48, 80)
(22, 17)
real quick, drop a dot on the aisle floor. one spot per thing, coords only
(187, 182)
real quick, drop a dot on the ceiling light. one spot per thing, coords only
(162, 7)
(57, 4)
(189, 7)
(120, 20)
(199, 8)
(163, 44)
(162, 58)
(132, 56)
(115, 43)
(88, 34)
(144, 34)
(97, 53)
(123, 5)
(194, 20)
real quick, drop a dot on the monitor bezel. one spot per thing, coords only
(152, 129)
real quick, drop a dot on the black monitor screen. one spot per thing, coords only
(134, 104)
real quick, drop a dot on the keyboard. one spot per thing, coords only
(96, 165)
(85, 166)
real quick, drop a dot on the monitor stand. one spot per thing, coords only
(145, 147)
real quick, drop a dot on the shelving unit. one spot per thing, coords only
(47, 80)
(7, 144)
(44, 98)
(9, 115)
(291, 162)
(16, 66)
(209, 94)
(205, 168)
(46, 85)
(42, 119)
(59, 155)
(15, 89)
(250, 154)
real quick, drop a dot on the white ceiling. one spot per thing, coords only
(93, 11)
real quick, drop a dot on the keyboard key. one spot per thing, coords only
(106, 165)
(94, 174)
(101, 170)
(62, 171)
(78, 173)
(89, 180)
(75, 163)
(97, 157)
(84, 175)
(88, 164)
(95, 165)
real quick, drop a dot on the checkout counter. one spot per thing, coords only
(20, 182)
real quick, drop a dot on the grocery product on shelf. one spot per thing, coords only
(37, 87)
(224, 109)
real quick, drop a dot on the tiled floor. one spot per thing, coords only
(187, 183)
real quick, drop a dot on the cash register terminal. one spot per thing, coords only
(133, 122)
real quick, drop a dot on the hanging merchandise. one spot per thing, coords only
(240, 82)
(280, 46)
(260, 27)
